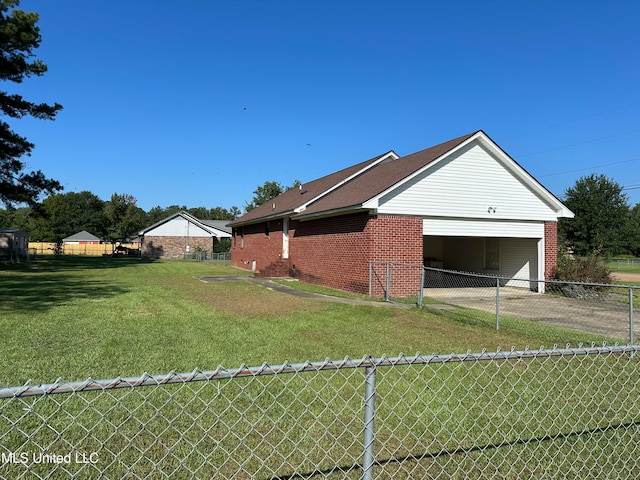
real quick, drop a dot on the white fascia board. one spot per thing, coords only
(207, 228)
(218, 233)
(391, 155)
(190, 218)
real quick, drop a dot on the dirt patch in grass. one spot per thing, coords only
(255, 300)
(626, 277)
(241, 298)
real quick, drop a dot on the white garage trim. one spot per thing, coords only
(481, 228)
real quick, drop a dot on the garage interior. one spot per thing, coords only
(515, 258)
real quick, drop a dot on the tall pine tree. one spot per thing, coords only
(19, 36)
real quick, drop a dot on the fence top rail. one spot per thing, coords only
(530, 280)
(147, 380)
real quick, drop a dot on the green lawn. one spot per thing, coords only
(77, 317)
(627, 265)
(80, 317)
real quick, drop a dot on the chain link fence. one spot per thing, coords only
(546, 413)
(599, 311)
(221, 258)
(625, 263)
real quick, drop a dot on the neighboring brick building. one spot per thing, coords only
(463, 204)
(82, 238)
(181, 235)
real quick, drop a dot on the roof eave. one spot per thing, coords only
(266, 218)
(330, 213)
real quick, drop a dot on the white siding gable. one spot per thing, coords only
(178, 227)
(470, 183)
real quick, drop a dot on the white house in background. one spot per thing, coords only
(181, 234)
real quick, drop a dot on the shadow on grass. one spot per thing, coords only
(465, 451)
(53, 263)
(41, 284)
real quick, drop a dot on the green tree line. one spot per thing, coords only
(117, 219)
(604, 223)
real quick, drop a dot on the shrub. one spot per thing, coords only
(589, 269)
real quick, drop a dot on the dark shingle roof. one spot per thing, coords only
(82, 236)
(293, 198)
(218, 224)
(372, 179)
(380, 178)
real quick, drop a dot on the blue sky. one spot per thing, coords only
(197, 103)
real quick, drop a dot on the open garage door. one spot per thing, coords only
(508, 249)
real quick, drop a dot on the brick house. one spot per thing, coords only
(464, 204)
(180, 235)
(82, 238)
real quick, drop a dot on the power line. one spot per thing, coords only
(561, 124)
(581, 143)
(590, 168)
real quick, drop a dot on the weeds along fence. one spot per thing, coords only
(559, 413)
(599, 311)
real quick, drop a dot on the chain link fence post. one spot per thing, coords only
(497, 303)
(421, 290)
(388, 286)
(630, 316)
(369, 418)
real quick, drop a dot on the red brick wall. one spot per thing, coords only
(173, 247)
(251, 243)
(550, 248)
(335, 252)
(398, 239)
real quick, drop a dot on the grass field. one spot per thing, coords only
(79, 317)
(627, 265)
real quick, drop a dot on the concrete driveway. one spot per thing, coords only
(606, 315)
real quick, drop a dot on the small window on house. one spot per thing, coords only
(266, 229)
(492, 253)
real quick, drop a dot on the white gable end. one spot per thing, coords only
(471, 183)
(178, 227)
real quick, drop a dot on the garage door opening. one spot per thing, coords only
(497, 256)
